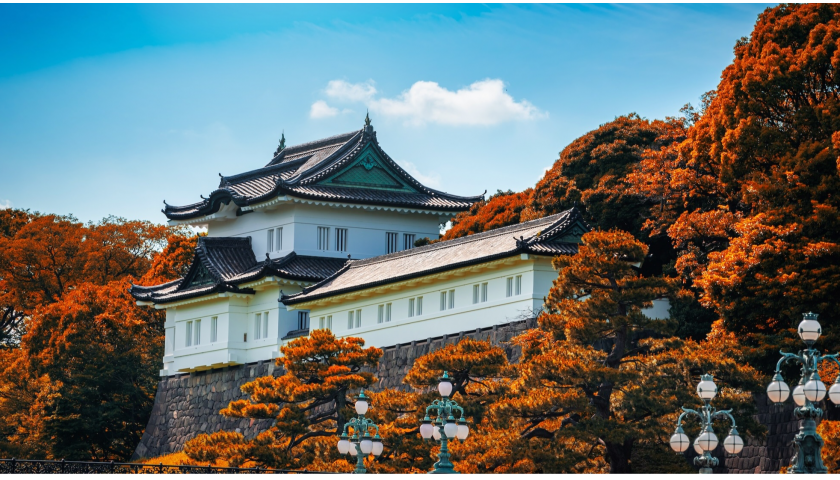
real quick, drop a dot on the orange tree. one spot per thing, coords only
(310, 401)
(601, 377)
(500, 210)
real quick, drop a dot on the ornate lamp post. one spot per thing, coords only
(444, 426)
(810, 389)
(707, 441)
(359, 442)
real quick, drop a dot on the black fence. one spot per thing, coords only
(11, 465)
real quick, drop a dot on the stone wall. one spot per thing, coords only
(188, 405)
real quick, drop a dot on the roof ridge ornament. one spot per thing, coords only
(367, 118)
(282, 144)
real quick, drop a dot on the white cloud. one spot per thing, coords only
(431, 180)
(483, 103)
(4, 204)
(320, 109)
(350, 92)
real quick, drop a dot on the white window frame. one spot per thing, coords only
(391, 242)
(517, 285)
(197, 332)
(188, 342)
(410, 307)
(265, 325)
(443, 300)
(387, 312)
(509, 287)
(214, 329)
(269, 240)
(340, 239)
(408, 241)
(324, 238)
(359, 318)
(484, 288)
(350, 321)
(303, 320)
(418, 306)
(476, 293)
(451, 299)
(257, 326)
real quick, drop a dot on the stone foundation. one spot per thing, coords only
(188, 405)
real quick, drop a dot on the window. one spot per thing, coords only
(415, 306)
(350, 321)
(410, 307)
(483, 292)
(340, 239)
(387, 312)
(419, 306)
(303, 320)
(354, 319)
(323, 238)
(325, 322)
(509, 287)
(517, 285)
(384, 313)
(214, 329)
(257, 326)
(480, 293)
(408, 241)
(447, 300)
(197, 332)
(274, 239)
(476, 289)
(265, 325)
(359, 318)
(391, 240)
(189, 335)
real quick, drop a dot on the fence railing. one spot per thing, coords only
(12, 465)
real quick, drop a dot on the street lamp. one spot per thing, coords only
(810, 389)
(707, 440)
(443, 426)
(359, 442)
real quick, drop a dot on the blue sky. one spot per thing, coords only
(110, 109)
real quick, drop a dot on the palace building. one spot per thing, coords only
(323, 236)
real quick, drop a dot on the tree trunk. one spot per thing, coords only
(619, 456)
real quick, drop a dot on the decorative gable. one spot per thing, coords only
(369, 170)
(201, 276)
(573, 233)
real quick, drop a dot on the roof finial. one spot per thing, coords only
(282, 144)
(367, 118)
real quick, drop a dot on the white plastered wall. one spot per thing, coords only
(366, 227)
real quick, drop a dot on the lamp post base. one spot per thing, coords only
(808, 458)
(706, 470)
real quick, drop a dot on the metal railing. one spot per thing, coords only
(12, 465)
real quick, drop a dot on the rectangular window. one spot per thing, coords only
(340, 239)
(387, 312)
(483, 292)
(278, 239)
(517, 285)
(214, 329)
(323, 238)
(419, 306)
(380, 314)
(322, 322)
(358, 318)
(197, 332)
(329, 322)
(257, 326)
(303, 320)
(509, 287)
(269, 245)
(442, 301)
(265, 325)
(408, 241)
(476, 289)
(410, 307)
(189, 335)
(452, 299)
(391, 240)
(350, 322)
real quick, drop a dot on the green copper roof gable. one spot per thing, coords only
(369, 170)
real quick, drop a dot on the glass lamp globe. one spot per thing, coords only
(377, 447)
(708, 441)
(463, 431)
(706, 389)
(450, 429)
(778, 391)
(814, 390)
(809, 328)
(799, 395)
(834, 392)
(436, 434)
(343, 446)
(426, 429)
(697, 448)
(733, 444)
(445, 387)
(361, 406)
(679, 442)
(366, 445)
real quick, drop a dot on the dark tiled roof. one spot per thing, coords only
(229, 262)
(542, 237)
(296, 171)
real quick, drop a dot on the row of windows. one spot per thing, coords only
(340, 239)
(260, 325)
(354, 318)
(193, 336)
